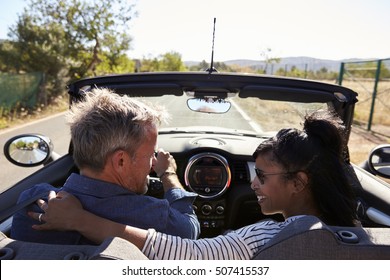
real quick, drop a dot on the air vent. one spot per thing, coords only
(240, 172)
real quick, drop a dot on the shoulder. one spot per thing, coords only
(264, 227)
(36, 190)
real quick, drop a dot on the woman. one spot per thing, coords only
(299, 172)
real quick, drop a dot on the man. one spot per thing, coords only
(114, 140)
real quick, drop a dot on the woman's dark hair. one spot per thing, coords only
(317, 150)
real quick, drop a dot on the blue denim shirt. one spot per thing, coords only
(172, 215)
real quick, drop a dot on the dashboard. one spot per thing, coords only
(220, 169)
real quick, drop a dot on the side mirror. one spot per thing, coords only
(379, 161)
(28, 150)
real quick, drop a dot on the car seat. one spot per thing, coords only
(111, 249)
(308, 238)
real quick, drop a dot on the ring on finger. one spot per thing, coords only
(40, 217)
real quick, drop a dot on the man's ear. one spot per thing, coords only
(301, 181)
(117, 159)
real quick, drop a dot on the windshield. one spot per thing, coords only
(246, 115)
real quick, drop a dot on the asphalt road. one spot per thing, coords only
(53, 127)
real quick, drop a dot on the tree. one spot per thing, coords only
(268, 59)
(113, 63)
(71, 39)
(219, 66)
(170, 61)
(150, 65)
(36, 48)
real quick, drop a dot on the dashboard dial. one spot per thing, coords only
(208, 175)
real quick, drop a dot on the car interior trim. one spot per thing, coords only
(378, 216)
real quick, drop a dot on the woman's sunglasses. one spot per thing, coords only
(261, 174)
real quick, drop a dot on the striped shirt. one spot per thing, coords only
(240, 244)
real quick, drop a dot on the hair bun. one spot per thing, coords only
(326, 128)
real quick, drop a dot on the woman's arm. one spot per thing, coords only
(65, 212)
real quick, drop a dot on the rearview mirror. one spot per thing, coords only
(209, 105)
(379, 160)
(28, 150)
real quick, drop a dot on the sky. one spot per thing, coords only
(324, 29)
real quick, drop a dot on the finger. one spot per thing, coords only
(42, 204)
(52, 195)
(35, 215)
(42, 227)
(62, 194)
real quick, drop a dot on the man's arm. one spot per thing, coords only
(182, 220)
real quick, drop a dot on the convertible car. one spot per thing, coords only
(217, 121)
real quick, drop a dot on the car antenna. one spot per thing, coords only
(212, 69)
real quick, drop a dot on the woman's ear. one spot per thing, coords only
(301, 181)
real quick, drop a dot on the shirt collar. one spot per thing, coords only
(95, 187)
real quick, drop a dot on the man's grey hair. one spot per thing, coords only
(105, 122)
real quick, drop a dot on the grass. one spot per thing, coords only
(11, 120)
(363, 108)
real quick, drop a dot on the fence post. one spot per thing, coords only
(305, 74)
(340, 81)
(377, 77)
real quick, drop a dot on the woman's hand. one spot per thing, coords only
(61, 212)
(64, 211)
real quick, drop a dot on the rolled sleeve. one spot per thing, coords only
(182, 213)
(180, 199)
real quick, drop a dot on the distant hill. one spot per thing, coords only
(301, 62)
